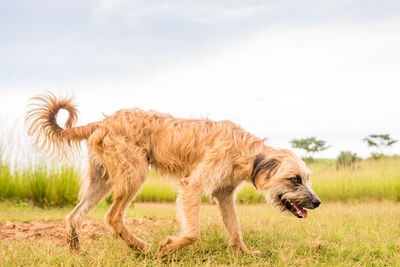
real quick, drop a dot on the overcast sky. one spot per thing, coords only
(280, 69)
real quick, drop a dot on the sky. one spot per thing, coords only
(280, 69)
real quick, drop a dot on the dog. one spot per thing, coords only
(203, 156)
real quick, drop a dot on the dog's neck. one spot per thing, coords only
(254, 171)
(258, 162)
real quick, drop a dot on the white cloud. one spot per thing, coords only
(196, 11)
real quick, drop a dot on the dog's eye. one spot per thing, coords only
(296, 180)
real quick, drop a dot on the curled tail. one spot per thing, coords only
(48, 136)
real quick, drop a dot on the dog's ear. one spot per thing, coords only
(269, 166)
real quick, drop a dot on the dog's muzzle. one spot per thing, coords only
(297, 209)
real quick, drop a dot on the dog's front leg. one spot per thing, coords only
(188, 213)
(226, 203)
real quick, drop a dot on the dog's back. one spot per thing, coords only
(174, 146)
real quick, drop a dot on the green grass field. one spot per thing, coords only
(358, 223)
(369, 179)
(336, 234)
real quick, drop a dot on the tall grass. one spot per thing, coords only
(40, 184)
(58, 186)
(368, 179)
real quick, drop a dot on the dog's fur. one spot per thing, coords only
(203, 156)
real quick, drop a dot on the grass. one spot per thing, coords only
(40, 184)
(368, 179)
(58, 186)
(336, 234)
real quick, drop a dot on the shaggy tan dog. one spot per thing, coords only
(204, 156)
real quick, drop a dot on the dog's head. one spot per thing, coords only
(284, 177)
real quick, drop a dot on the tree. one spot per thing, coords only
(311, 145)
(379, 143)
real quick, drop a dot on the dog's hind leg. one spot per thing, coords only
(98, 186)
(226, 203)
(188, 213)
(115, 218)
(129, 178)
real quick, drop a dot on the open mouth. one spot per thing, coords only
(294, 208)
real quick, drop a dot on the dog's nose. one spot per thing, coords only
(316, 202)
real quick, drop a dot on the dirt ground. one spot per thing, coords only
(55, 230)
(91, 228)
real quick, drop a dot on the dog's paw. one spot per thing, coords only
(141, 246)
(74, 244)
(74, 247)
(245, 250)
(83, 252)
(147, 248)
(166, 248)
(255, 253)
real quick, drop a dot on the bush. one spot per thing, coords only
(377, 156)
(346, 159)
(308, 160)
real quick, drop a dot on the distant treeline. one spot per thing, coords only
(378, 143)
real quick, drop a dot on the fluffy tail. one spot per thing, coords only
(48, 136)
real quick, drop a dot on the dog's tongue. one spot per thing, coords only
(302, 212)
